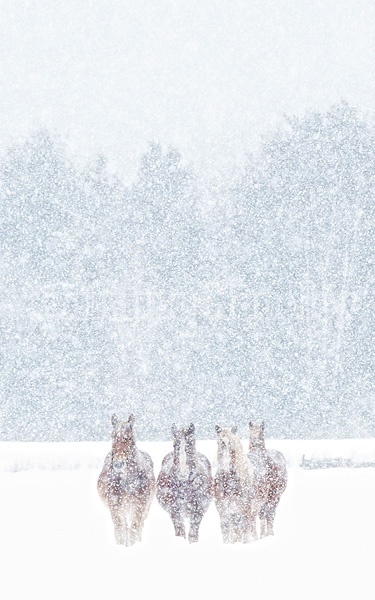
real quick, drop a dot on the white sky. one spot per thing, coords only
(208, 76)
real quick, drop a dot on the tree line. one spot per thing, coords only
(145, 298)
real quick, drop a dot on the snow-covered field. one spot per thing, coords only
(56, 538)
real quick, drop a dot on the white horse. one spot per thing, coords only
(233, 488)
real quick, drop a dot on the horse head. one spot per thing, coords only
(226, 450)
(256, 435)
(190, 445)
(123, 441)
(179, 450)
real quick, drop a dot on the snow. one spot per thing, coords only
(57, 539)
(22, 456)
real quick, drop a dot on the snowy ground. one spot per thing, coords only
(56, 539)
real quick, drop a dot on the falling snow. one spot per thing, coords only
(186, 236)
(148, 299)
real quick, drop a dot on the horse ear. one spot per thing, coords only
(191, 429)
(174, 429)
(131, 419)
(234, 429)
(250, 424)
(114, 420)
(263, 426)
(218, 428)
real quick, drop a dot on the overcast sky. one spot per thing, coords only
(208, 76)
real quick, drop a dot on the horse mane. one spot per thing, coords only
(188, 436)
(243, 466)
(241, 463)
(191, 446)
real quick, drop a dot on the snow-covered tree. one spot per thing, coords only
(303, 214)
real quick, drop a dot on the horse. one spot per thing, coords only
(270, 477)
(233, 488)
(126, 483)
(184, 484)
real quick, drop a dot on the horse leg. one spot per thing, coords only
(271, 512)
(119, 523)
(247, 522)
(270, 515)
(236, 523)
(238, 527)
(253, 511)
(272, 502)
(225, 524)
(226, 530)
(195, 521)
(178, 522)
(135, 526)
(263, 520)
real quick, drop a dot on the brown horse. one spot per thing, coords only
(184, 484)
(233, 488)
(127, 483)
(270, 477)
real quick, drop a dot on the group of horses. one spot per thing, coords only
(246, 488)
